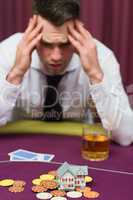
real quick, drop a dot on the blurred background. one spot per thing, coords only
(110, 21)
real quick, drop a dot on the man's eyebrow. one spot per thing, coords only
(46, 42)
(67, 42)
(52, 43)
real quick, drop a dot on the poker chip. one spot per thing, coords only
(88, 179)
(38, 189)
(58, 193)
(6, 182)
(87, 189)
(47, 177)
(36, 181)
(59, 198)
(74, 194)
(49, 184)
(82, 190)
(91, 194)
(79, 189)
(16, 189)
(53, 172)
(44, 195)
(19, 183)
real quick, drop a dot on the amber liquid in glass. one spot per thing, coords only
(95, 147)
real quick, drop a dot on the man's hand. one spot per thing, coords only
(31, 37)
(85, 46)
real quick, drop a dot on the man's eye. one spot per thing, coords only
(64, 45)
(46, 44)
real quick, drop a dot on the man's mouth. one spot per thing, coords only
(55, 66)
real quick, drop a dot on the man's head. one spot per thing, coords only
(57, 11)
(55, 50)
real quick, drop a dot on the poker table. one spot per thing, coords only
(113, 178)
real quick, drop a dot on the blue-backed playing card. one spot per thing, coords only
(24, 155)
(21, 153)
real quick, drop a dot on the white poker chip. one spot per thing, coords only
(59, 198)
(43, 195)
(74, 194)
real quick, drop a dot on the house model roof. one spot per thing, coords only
(76, 170)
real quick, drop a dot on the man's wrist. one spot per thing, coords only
(15, 76)
(96, 77)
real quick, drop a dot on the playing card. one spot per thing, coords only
(45, 157)
(24, 154)
(15, 158)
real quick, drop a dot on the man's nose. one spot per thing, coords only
(56, 54)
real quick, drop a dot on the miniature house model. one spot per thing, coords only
(71, 176)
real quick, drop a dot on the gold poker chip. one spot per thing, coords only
(83, 189)
(87, 189)
(6, 182)
(53, 172)
(88, 179)
(47, 177)
(91, 194)
(36, 181)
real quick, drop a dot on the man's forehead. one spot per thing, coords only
(52, 33)
(55, 37)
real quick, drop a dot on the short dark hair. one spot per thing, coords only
(57, 11)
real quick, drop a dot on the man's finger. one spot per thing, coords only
(34, 42)
(35, 32)
(84, 32)
(31, 25)
(74, 43)
(76, 35)
(89, 40)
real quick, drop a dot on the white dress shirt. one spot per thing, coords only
(25, 101)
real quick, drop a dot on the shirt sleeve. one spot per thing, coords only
(8, 91)
(112, 102)
(8, 97)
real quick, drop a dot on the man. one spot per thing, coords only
(56, 44)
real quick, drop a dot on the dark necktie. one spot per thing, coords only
(52, 108)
